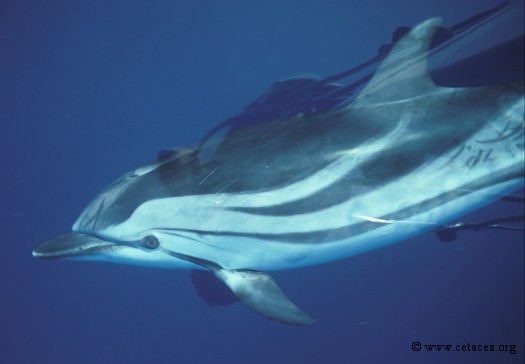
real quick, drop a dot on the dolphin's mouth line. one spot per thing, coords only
(77, 244)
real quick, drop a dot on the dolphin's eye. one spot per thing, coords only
(150, 242)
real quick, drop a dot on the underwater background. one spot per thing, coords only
(92, 89)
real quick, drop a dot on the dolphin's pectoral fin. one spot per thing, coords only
(261, 294)
(257, 290)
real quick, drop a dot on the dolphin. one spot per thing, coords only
(404, 157)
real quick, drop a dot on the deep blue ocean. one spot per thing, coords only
(92, 89)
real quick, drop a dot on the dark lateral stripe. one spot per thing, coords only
(332, 235)
(389, 165)
(335, 193)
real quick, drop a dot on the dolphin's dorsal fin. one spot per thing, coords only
(259, 292)
(403, 74)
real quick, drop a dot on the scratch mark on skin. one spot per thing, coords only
(477, 158)
(208, 176)
(487, 155)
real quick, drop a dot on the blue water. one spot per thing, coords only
(92, 89)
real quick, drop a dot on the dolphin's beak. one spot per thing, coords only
(71, 245)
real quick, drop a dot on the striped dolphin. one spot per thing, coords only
(404, 157)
